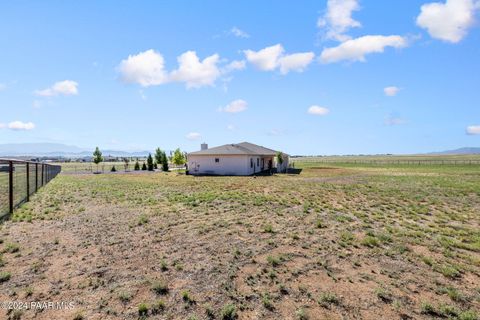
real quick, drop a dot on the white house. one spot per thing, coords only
(241, 159)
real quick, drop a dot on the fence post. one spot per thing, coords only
(27, 166)
(43, 173)
(36, 177)
(10, 186)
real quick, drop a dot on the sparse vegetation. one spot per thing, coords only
(329, 240)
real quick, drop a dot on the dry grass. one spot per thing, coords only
(331, 243)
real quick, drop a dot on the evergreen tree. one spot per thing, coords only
(158, 156)
(164, 161)
(113, 169)
(97, 157)
(150, 162)
(144, 166)
(137, 166)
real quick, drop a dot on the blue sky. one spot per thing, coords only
(308, 77)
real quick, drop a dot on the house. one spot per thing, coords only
(241, 159)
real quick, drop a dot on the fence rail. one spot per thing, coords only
(19, 180)
(387, 161)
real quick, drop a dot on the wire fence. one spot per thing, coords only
(386, 161)
(19, 180)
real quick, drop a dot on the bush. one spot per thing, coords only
(113, 169)
(142, 309)
(144, 167)
(229, 312)
(137, 166)
(4, 276)
(160, 287)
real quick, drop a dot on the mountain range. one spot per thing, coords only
(59, 150)
(68, 151)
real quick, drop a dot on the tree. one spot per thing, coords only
(164, 161)
(137, 166)
(158, 156)
(113, 169)
(97, 157)
(126, 161)
(279, 157)
(144, 167)
(150, 162)
(178, 158)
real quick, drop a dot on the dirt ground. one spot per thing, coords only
(330, 243)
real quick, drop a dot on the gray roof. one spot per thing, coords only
(244, 148)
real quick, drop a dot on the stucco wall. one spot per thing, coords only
(227, 165)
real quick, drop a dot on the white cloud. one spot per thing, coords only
(338, 19)
(356, 49)
(273, 57)
(196, 73)
(235, 106)
(295, 62)
(193, 136)
(391, 91)
(448, 21)
(234, 65)
(65, 88)
(145, 68)
(473, 130)
(148, 69)
(231, 127)
(3, 125)
(393, 120)
(265, 59)
(239, 33)
(19, 125)
(318, 111)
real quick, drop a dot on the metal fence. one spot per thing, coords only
(19, 180)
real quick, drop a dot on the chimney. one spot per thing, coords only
(204, 146)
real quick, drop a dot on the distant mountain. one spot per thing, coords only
(58, 150)
(460, 151)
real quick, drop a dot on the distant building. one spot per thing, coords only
(241, 159)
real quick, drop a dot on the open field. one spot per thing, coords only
(335, 242)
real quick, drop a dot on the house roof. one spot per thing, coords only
(244, 148)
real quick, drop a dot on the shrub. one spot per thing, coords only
(144, 167)
(268, 228)
(11, 248)
(137, 166)
(187, 297)
(4, 276)
(274, 261)
(158, 306)
(229, 312)
(113, 169)
(124, 296)
(160, 287)
(327, 298)
(142, 309)
(301, 314)
(143, 219)
(163, 265)
(267, 302)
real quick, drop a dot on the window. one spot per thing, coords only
(217, 160)
(258, 162)
(251, 163)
